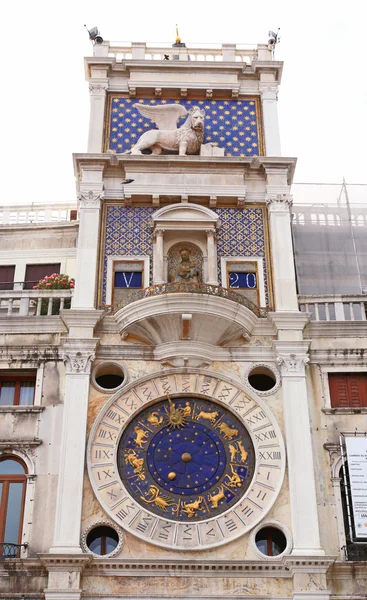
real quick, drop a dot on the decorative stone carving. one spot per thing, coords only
(77, 361)
(185, 263)
(98, 89)
(294, 364)
(279, 202)
(185, 140)
(102, 523)
(92, 200)
(269, 93)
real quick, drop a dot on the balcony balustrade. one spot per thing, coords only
(335, 307)
(33, 303)
(192, 288)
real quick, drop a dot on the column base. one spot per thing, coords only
(63, 594)
(307, 552)
(66, 550)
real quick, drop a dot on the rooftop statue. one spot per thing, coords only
(185, 140)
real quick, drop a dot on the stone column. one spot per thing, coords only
(158, 257)
(269, 100)
(78, 356)
(98, 93)
(292, 358)
(88, 247)
(284, 281)
(212, 257)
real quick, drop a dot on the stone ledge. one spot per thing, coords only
(344, 411)
(22, 409)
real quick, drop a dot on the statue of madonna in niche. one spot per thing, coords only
(185, 263)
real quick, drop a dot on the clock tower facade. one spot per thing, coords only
(186, 459)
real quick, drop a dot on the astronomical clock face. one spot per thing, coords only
(186, 461)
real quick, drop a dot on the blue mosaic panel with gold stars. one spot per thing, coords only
(242, 233)
(230, 124)
(186, 458)
(127, 232)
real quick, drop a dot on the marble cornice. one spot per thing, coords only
(285, 567)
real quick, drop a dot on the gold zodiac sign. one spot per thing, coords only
(234, 479)
(209, 416)
(154, 419)
(187, 410)
(229, 433)
(176, 416)
(217, 497)
(137, 463)
(140, 437)
(237, 448)
(190, 508)
(161, 502)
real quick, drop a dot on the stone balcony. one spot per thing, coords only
(182, 312)
(335, 307)
(33, 303)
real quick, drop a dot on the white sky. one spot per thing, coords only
(45, 99)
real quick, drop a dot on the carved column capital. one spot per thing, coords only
(293, 364)
(98, 89)
(210, 233)
(279, 202)
(268, 92)
(90, 200)
(78, 361)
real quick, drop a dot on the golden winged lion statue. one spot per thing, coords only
(187, 139)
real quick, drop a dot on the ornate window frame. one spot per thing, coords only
(97, 366)
(277, 525)
(336, 463)
(102, 523)
(141, 258)
(226, 260)
(272, 367)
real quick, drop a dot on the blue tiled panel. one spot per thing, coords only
(230, 124)
(128, 232)
(242, 233)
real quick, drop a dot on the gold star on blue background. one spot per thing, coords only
(230, 124)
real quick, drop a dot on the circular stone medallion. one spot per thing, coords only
(186, 459)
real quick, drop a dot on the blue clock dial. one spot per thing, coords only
(187, 459)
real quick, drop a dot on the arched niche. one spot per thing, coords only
(186, 224)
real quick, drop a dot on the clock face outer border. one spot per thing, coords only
(126, 512)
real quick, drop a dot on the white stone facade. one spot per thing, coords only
(205, 340)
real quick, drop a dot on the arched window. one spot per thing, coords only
(12, 493)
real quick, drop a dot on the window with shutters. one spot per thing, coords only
(348, 390)
(7, 277)
(34, 273)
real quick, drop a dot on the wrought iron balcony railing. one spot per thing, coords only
(190, 288)
(8, 550)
